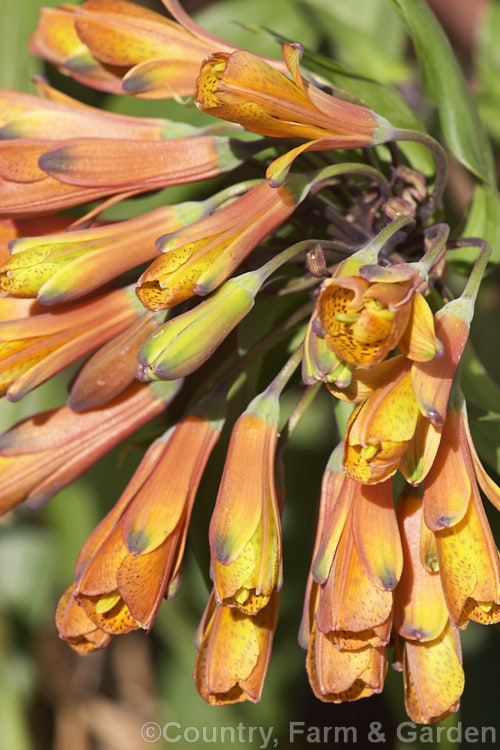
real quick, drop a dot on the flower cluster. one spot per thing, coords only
(371, 320)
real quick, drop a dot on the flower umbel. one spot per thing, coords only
(336, 275)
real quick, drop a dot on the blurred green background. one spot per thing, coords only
(51, 698)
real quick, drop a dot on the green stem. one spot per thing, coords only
(441, 162)
(334, 170)
(300, 408)
(276, 385)
(479, 267)
(436, 237)
(215, 202)
(378, 242)
(271, 266)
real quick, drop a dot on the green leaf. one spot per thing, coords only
(483, 221)
(487, 70)
(445, 85)
(364, 36)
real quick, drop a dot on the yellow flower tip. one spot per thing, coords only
(245, 530)
(433, 677)
(76, 628)
(233, 651)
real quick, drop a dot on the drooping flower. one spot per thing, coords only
(133, 558)
(357, 563)
(55, 40)
(380, 429)
(468, 557)
(233, 651)
(41, 175)
(184, 343)
(243, 88)
(245, 529)
(430, 645)
(120, 46)
(76, 628)
(54, 116)
(99, 381)
(42, 454)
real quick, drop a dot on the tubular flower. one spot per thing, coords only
(245, 530)
(432, 670)
(119, 46)
(56, 117)
(99, 381)
(55, 40)
(468, 558)
(38, 346)
(76, 628)
(348, 605)
(336, 674)
(42, 454)
(243, 88)
(366, 316)
(60, 267)
(158, 57)
(380, 429)
(185, 342)
(233, 651)
(41, 175)
(133, 558)
(196, 259)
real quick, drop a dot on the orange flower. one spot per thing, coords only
(133, 558)
(468, 558)
(99, 380)
(433, 675)
(36, 347)
(368, 315)
(198, 258)
(243, 88)
(116, 46)
(233, 651)
(42, 454)
(49, 162)
(75, 627)
(66, 265)
(357, 562)
(245, 530)
(380, 429)
(56, 41)
(158, 57)
(55, 116)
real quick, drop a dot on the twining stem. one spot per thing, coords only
(441, 161)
